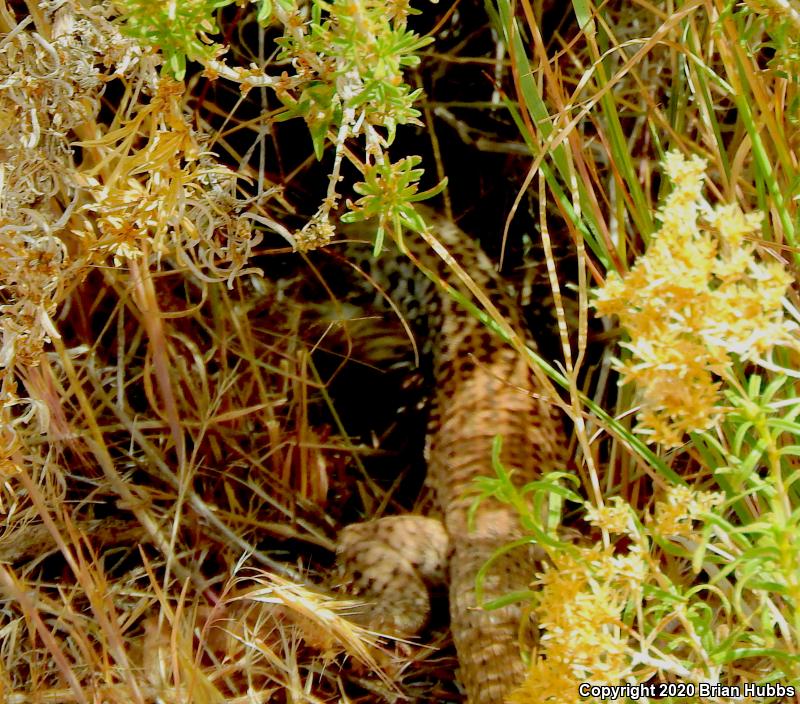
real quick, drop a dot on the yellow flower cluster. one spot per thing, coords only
(696, 297)
(583, 594)
(674, 516)
(586, 592)
(615, 516)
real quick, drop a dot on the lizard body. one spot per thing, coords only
(484, 388)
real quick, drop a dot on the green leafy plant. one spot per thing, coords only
(179, 28)
(348, 60)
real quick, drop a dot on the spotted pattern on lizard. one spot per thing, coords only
(484, 388)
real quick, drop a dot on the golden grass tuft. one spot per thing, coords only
(156, 444)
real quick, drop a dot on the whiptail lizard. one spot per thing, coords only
(484, 388)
